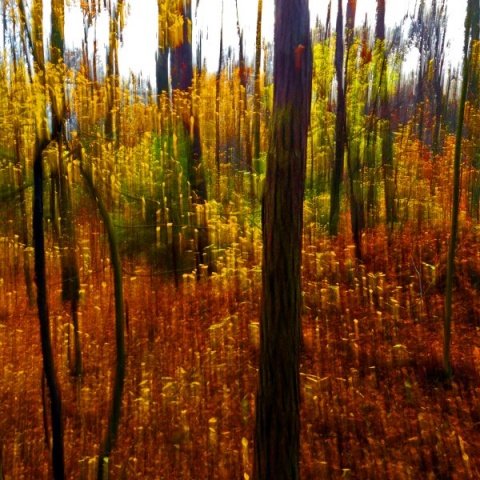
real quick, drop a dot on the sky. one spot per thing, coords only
(137, 54)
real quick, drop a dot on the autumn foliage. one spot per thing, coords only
(375, 402)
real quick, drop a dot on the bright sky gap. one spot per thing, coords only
(137, 54)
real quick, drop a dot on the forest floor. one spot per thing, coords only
(375, 404)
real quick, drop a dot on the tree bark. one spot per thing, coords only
(65, 229)
(277, 425)
(447, 333)
(257, 89)
(42, 305)
(181, 62)
(41, 142)
(338, 165)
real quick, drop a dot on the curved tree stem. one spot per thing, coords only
(114, 419)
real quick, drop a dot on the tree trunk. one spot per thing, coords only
(181, 62)
(110, 438)
(447, 365)
(385, 127)
(42, 305)
(112, 124)
(41, 142)
(20, 168)
(161, 71)
(217, 110)
(353, 157)
(277, 425)
(244, 150)
(327, 23)
(257, 87)
(338, 164)
(65, 232)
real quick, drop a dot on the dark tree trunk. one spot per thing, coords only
(338, 164)
(353, 160)
(20, 168)
(181, 67)
(350, 23)
(42, 305)
(161, 56)
(277, 426)
(385, 127)
(380, 25)
(41, 142)
(57, 47)
(112, 124)
(438, 79)
(161, 70)
(181, 63)
(245, 152)
(447, 365)
(327, 23)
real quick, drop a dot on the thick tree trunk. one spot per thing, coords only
(181, 57)
(277, 426)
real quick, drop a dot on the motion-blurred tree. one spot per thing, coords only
(61, 198)
(116, 25)
(447, 365)
(277, 425)
(338, 164)
(42, 139)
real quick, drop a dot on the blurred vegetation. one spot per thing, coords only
(374, 401)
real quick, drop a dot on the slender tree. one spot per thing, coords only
(181, 67)
(161, 56)
(243, 130)
(277, 425)
(116, 25)
(217, 106)
(385, 126)
(42, 139)
(447, 333)
(327, 23)
(353, 161)
(338, 164)
(110, 437)
(64, 227)
(257, 86)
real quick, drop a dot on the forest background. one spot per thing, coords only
(132, 234)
